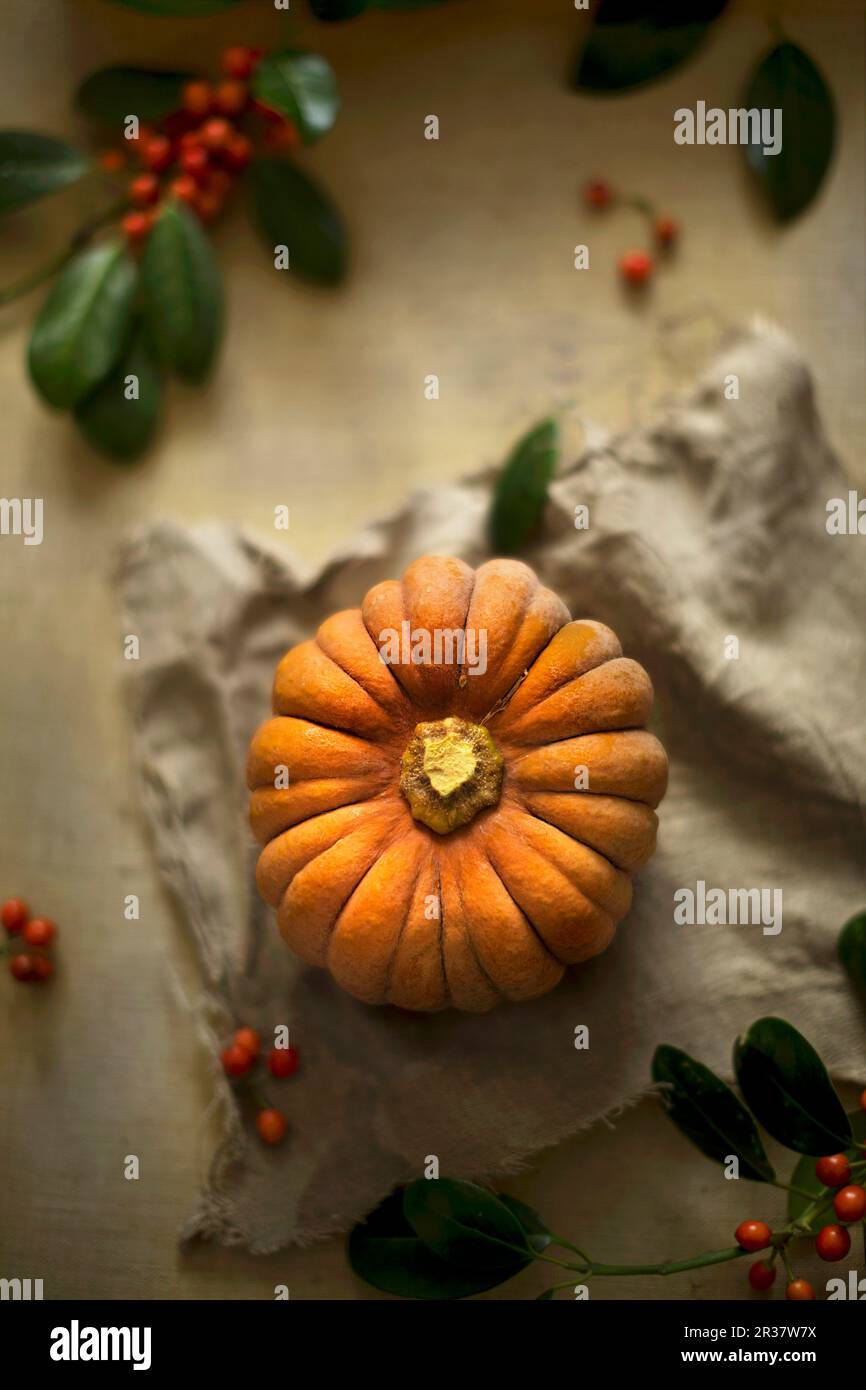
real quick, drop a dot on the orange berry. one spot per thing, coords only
(799, 1290)
(239, 62)
(144, 190)
(272, 1126)
(40, 931)
(249, 1038)
(238, 152)
(636, 267)
(14, 914)
(184, 188)
(216, 133)
(136, 225)
(197, 98)
(111, 161)
(236, 1060)
(231, 98)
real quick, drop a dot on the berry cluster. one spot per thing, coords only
(635, 267)
(196, 153)
(832, 1242)
(239, 1059)
(28, 967)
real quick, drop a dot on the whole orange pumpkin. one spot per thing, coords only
(455, 789)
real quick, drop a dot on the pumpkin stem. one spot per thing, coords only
(451, 770)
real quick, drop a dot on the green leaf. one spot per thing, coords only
(521, 489)
(112, 94)
(538, 1237)
(190, 9)
(302, 87)
(385, 1252)
(116, 422)
(293, 211)
(83, 324)
(632, 42)
(709, 1113)
(32, 166)
(787, 1088)
(852, 949)
(183, 297)
(788, 80)
(804, 1175)
(466, 1225)
(333, 11)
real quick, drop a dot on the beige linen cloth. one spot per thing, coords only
(710, 523)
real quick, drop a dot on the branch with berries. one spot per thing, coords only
(137, 292)
(440, 1238)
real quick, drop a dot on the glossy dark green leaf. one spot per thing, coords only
(466, 1225)
(538, 1237)
(120, 417)
(293, 211)
(852, 949)
(112, 94)
(385, 1251)
(83, 324)
(787, 1088)
(788, 80)
(521, 489)
(189, 9)
(301, 86)
(709, 1113)
(632, 42)
(183, 296)
(334, 11)
(804, 1176)
(32, 166)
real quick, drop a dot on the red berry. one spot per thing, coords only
(156, 153)
(111, 161)
(249, 1038)
(597, 194)
(236, 1060)
(136, 225)
(761, 1275)
(194, 161)
(231, 98)
(849, 1203)
(636, 267)
(40, 931)
(238, 152)
(667, 230)
(208, 205)
(267, 113)
(216, 133)
(283, 1061)
(833, 1171)
(799, 1290)
(219, 183)
(832, 1243)
(41, 970)
(239, 62)
(21, 967)
(144, 190)
(14, 914)
(184, 188)
(863, 1101)
(197, 98)
(283, 138)
(753, 1235)
(271, 1125)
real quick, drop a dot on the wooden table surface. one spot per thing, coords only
(462, 267)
